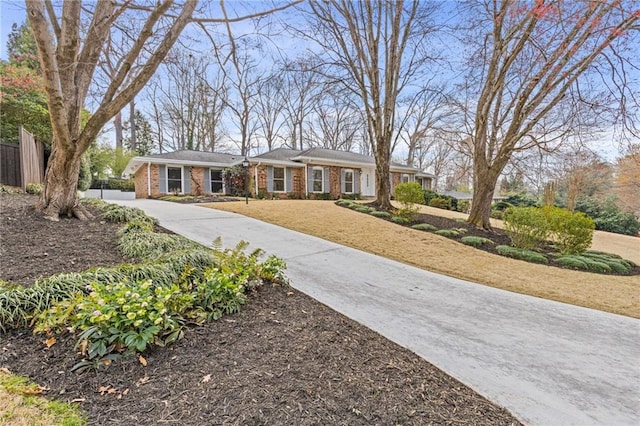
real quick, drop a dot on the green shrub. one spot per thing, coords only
(501, 206)
(440, 203)
(363, 209)
(409, 194)
(594, 262)
(322, 196)
(474, 241)
(84, 178)
(425, 227)
(522, 254)
(400, 220)
(521, 200)
(381, 214)
(344, 203)
(34, 188)
(150, 245)
(571, 233)
(608, 217)
(126, 185)
(463, 206)
(354, 196)
(527, 227)
(428, 195)
(449, 233)
(573, 262)
(496, 214)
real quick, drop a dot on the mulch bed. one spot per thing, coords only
(284, 359)
(497, 235)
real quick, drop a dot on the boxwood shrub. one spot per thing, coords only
(522, 254)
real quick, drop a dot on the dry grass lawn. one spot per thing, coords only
(616, 294)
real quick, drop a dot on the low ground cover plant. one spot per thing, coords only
(548, 235)
(122, 310)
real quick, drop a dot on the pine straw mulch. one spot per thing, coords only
(284, 359)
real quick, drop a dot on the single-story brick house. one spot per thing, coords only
(280, 173)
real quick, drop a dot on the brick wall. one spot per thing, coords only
(141, 181)
(197, 180)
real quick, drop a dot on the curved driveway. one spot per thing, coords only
(549, 363)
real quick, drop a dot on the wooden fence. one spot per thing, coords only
(23, 163)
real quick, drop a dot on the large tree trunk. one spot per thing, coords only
(383, 187)
(485, 180)
(60, 196)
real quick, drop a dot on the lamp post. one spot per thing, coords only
(245, 164)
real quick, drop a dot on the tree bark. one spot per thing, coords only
(383, 187)
(60, 196)
(485, 180)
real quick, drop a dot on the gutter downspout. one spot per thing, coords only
(256, 178)
(149, 179)
(306, 181)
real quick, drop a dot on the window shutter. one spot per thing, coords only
(269, 179)
(162, 178)
(326, 187)
(309, 179)
(289, 180)
(342, 183)
(186, 179)
(207, 180)
(356, 181)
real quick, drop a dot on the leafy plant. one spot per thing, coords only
(608, 217)
(440, 203)
(408, 194)
(527, 227)
(381, 214)
(449, 233)
(399, 220)
(474, 241)
(522, 254)
(570, 232)
(363, 209)
(34, 188)
(425, 227)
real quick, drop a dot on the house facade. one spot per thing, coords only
(315, 173)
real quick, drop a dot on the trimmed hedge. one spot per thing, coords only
(522, 254)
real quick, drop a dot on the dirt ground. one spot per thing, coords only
(284, 359)
(616, 294)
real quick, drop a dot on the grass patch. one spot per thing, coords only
(522, 254)
(20, 401)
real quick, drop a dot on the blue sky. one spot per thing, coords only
(11, 11)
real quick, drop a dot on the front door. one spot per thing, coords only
(368, 183)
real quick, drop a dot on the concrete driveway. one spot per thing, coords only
(547, 362)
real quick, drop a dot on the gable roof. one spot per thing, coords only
(332, 156)
(278, 156)
(185, 158)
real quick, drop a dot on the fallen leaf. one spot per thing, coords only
(126, 391)
(37, 391)
(5, 370)
(107, 389)
(206, 378)
(79, 400)
(142, 360)
(142, 381)
(105, 361)
(50, 342)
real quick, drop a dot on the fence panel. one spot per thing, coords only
(30, 163)
(10, 173)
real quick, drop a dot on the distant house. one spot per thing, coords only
(280, 173)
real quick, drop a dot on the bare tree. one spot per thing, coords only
(532, 57)
(68, 62)
(270, 107)
(69, 50)
(378, 46)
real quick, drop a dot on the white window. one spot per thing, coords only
(348, 181)
(174, 179)
(278, 179)
(318, 179)
(217, 183)
(406, 178)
